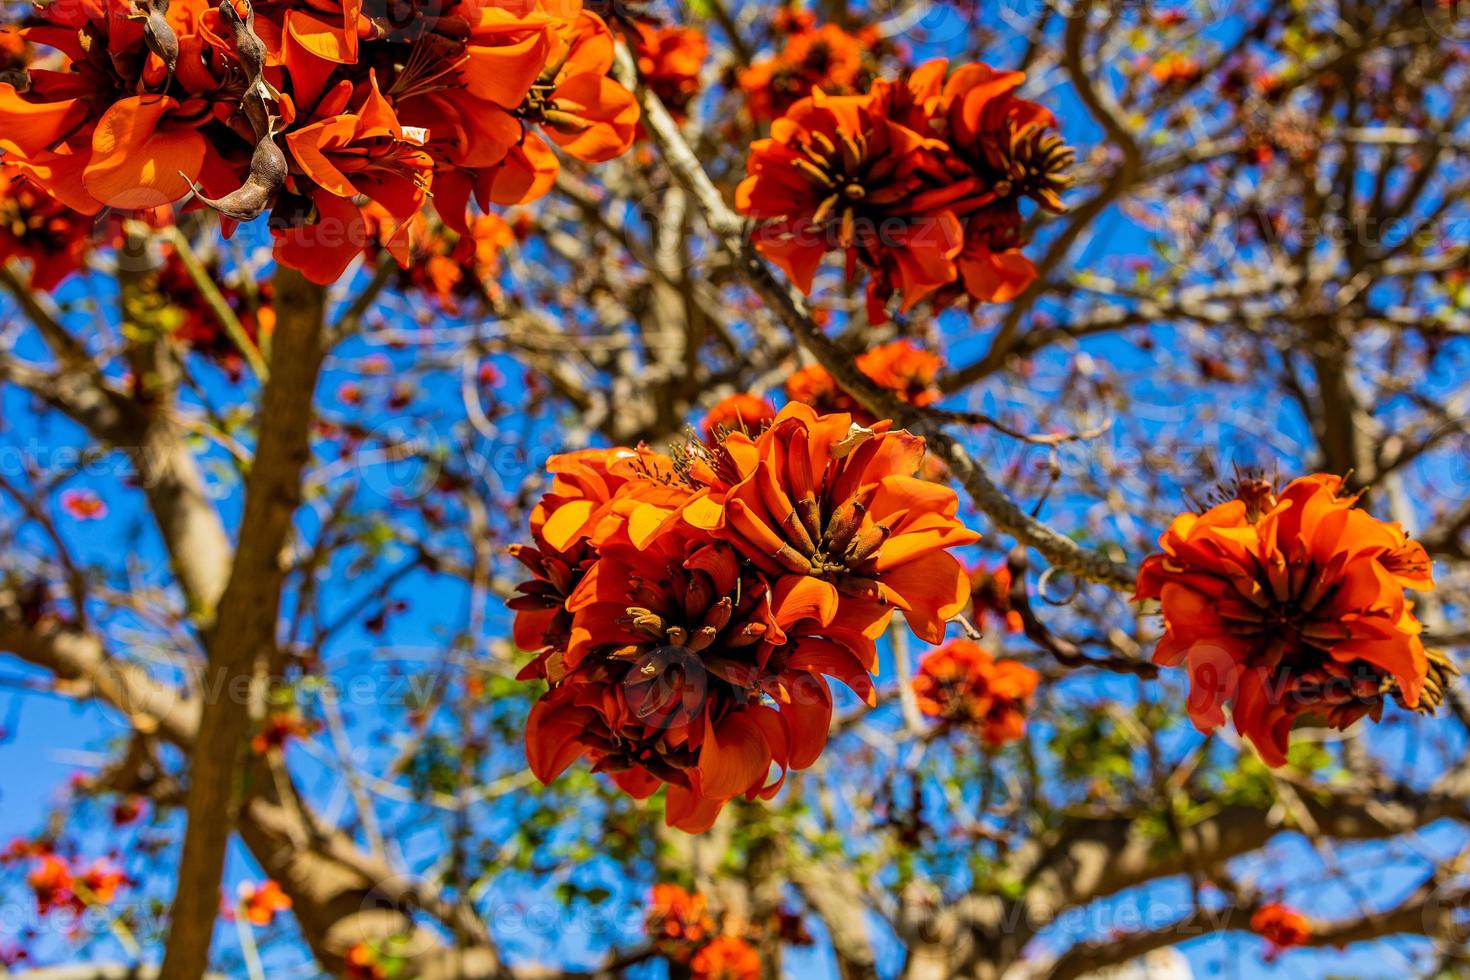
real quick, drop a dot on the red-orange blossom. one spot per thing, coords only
(687, 611)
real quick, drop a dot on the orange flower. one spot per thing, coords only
(726, 958)
(567, 524)
(1282, 926)
(261, 902)
(674, 650)
(37, 227)
(1290, 605)
(15, 51)
(146, 151)
(101, 881)
(669, 62)
(1175, 69)
(463, 82)
(740, 412)
(990, 595)
(826, 58)
(279, 728)
(276, 105)
(452, 267)
(83, 505)
(1001, 150)
(200, 328)
(920, 182)
(678, 920)
(51, 882)
(100, 129)
(964, 685)
(347, 156)
(686, 613)
(902, 367)
(127, 810)
(575, 105)
(832, 512)
(362, 962)
(838, 174)
(57, 885)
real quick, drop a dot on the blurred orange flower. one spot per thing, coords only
(452, 267)
(59, 885)
(51, 882)
(279, 728)
(990, 596)
(826, 57)
(1175, 69)
(362, 962)
(669, 62)
(963, 684)
(40, 228)
(726, 958)
(677, 920)
(902, 367)
(83, 505)
(261, 902)
(1282, 926)
(200, 328)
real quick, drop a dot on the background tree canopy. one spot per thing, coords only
(317, 313)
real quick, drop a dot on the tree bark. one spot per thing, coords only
(245, 629)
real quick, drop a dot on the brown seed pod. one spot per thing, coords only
(248, 201)
(159, 35)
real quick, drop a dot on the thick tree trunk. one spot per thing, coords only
(245, 630)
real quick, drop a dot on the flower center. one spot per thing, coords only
(1030, 162)
(839, 170)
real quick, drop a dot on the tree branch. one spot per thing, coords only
(246, 628)
(790, 309)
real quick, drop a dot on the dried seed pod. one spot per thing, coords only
(159, 35)
(239, 16)
(248, 201)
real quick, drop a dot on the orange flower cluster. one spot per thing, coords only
(990, 597)
(726, 958)
(363, 962)
(451, 267)
(962, 684)
(1287, 605)
(336, 117)
(260, 903)
(812, 57)
(37, 227)
(279, 728)
(1175, 69)
(678, 922)
(669, 62)
(920, 182)
(688, 611)
(1282, 926)
(681, 928)
(200, 328)
(60, 885)
(902, 367)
